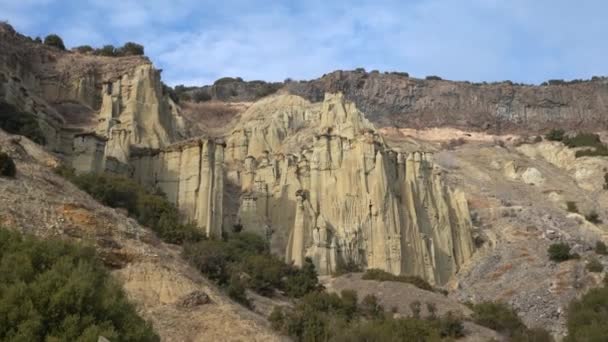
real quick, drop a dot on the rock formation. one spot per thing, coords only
(395, 99)
(345, 196)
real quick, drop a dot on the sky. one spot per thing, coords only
(197, 42)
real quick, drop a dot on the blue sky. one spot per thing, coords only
(196, 42)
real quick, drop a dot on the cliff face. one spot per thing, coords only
(321, 183)
(394, 99)
(120, 99)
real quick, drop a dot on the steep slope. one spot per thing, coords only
(154, 276)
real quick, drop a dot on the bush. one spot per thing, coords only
(593, 217)
(559, 252)
(587, 140)
(606, 181)
(571, 207)
(7, 166)
(601, 248)
(106, 50)
(84, 49)
(320, 316)
(131, 49)
(380, 275)
(555, 135)
(433, 78)
(150, 209)
(595, 266)
(497, 316)
(61, 292)
(55, 41)
(201, 96)
(587, 317)
(246, 257)
(14, 121)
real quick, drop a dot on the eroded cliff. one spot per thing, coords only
(321, 183)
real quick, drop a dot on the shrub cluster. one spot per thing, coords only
(61, 292)
(55, 41)
(571, 207)
(128, 49)
(601, 248)
(7, 166)
(595, 266)
(151, 209)
(16, 122)
(320, 316)
(501, 318)
(380, 275)
(593, 217)
(581, 139)
(588, 315)
(243, 260)
(560, 252)
(433, 78)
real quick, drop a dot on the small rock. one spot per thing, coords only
(194, 299)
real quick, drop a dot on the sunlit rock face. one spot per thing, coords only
(321, 183)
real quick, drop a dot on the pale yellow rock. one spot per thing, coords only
(333, 191)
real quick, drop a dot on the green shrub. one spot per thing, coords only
(7, 166)
(380, 275)
(84, 49)
(150, 209)
(583, 139)
(61, 292)
(497, 316)
(54, 40)
(587, 317)
(106, 50)
(131, 49)
(559, 252)
(245, 256)
(593, 217)
(595, 266)
(16, 122)
(433, 78)
(555, 135)
(571, 207)
(320, 316)
(601, 248)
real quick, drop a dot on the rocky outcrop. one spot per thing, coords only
(321, 183)
(119, 99)
(395, 99)
(233, 90)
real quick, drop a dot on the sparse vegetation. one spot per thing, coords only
(244, 260)
(55, 41)
(84, 49)
(595, 266)
(61, 292)
(131, 49)
(582, 139)
(587, 316)
(606, 181)
(601, 248)
(555, 135)
(320, 316)
(16, 122)
(128, 49)
(559, 252)
(380, 275)
(571, 207)
(151, 209)
(500, 317)
(433, 78)
(7, 166)
(593, 217)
